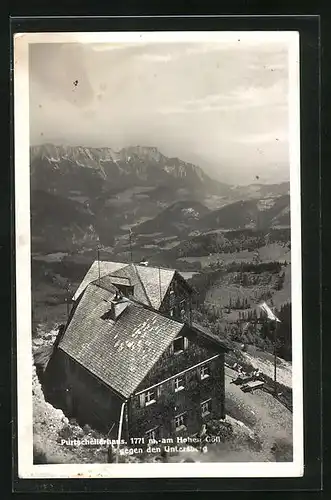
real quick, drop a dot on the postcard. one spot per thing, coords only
(158, 254)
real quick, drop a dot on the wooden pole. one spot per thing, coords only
(258, 220)
(68, 298)
(99, 263)
(160, 286)
(275, 359)
(67, 302)
(130, 241)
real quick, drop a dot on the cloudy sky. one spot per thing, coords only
(223, 106)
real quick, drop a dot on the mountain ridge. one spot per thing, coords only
(143, 163)
(177, 218)
(252, 213)
(122, 189)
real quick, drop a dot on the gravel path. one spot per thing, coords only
(268, 418)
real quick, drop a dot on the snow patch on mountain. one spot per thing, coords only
(190, 212)
(265, 204)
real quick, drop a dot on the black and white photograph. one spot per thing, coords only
(158, 250)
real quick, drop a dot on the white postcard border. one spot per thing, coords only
(26, 469)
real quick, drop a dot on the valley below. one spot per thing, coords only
(232, 244)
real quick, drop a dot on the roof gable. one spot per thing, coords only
(121, 352)
(130, 271)
(156, 282)
(104, 267)
(151, 283)
(111, 280)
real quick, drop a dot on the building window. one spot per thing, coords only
(152, 434)
(127, 291)
(150, 397)
(206, 407)
(179, 345)
(147, 398)
(182, 310)
(204, 372)
(179, 384)
(180, 422)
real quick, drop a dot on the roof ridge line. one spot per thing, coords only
(158, 267)
(157, 311)
(95, 283)
(108, 262)
(141, 282)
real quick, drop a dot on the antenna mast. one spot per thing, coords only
(67, 303)
(275, 358)
(98, 256)
(67, 300)
(160, 286)
(257, 232)
(130, 241)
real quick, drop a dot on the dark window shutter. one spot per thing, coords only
(142, 400)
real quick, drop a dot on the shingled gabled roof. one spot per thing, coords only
(156, 282)
(150, 283)
(120, 353)
(131, 272)
(104, 267)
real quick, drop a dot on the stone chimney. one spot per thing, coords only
(118, 305)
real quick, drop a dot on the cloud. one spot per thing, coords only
(216, 102)
(268, 67)
(239, 44)
(56, 69)
(156, 58)
(267, 137)
(108, 47)
(182, 50)
(239, 98)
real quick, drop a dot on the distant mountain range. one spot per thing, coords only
(91, 168)
(81, 197)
